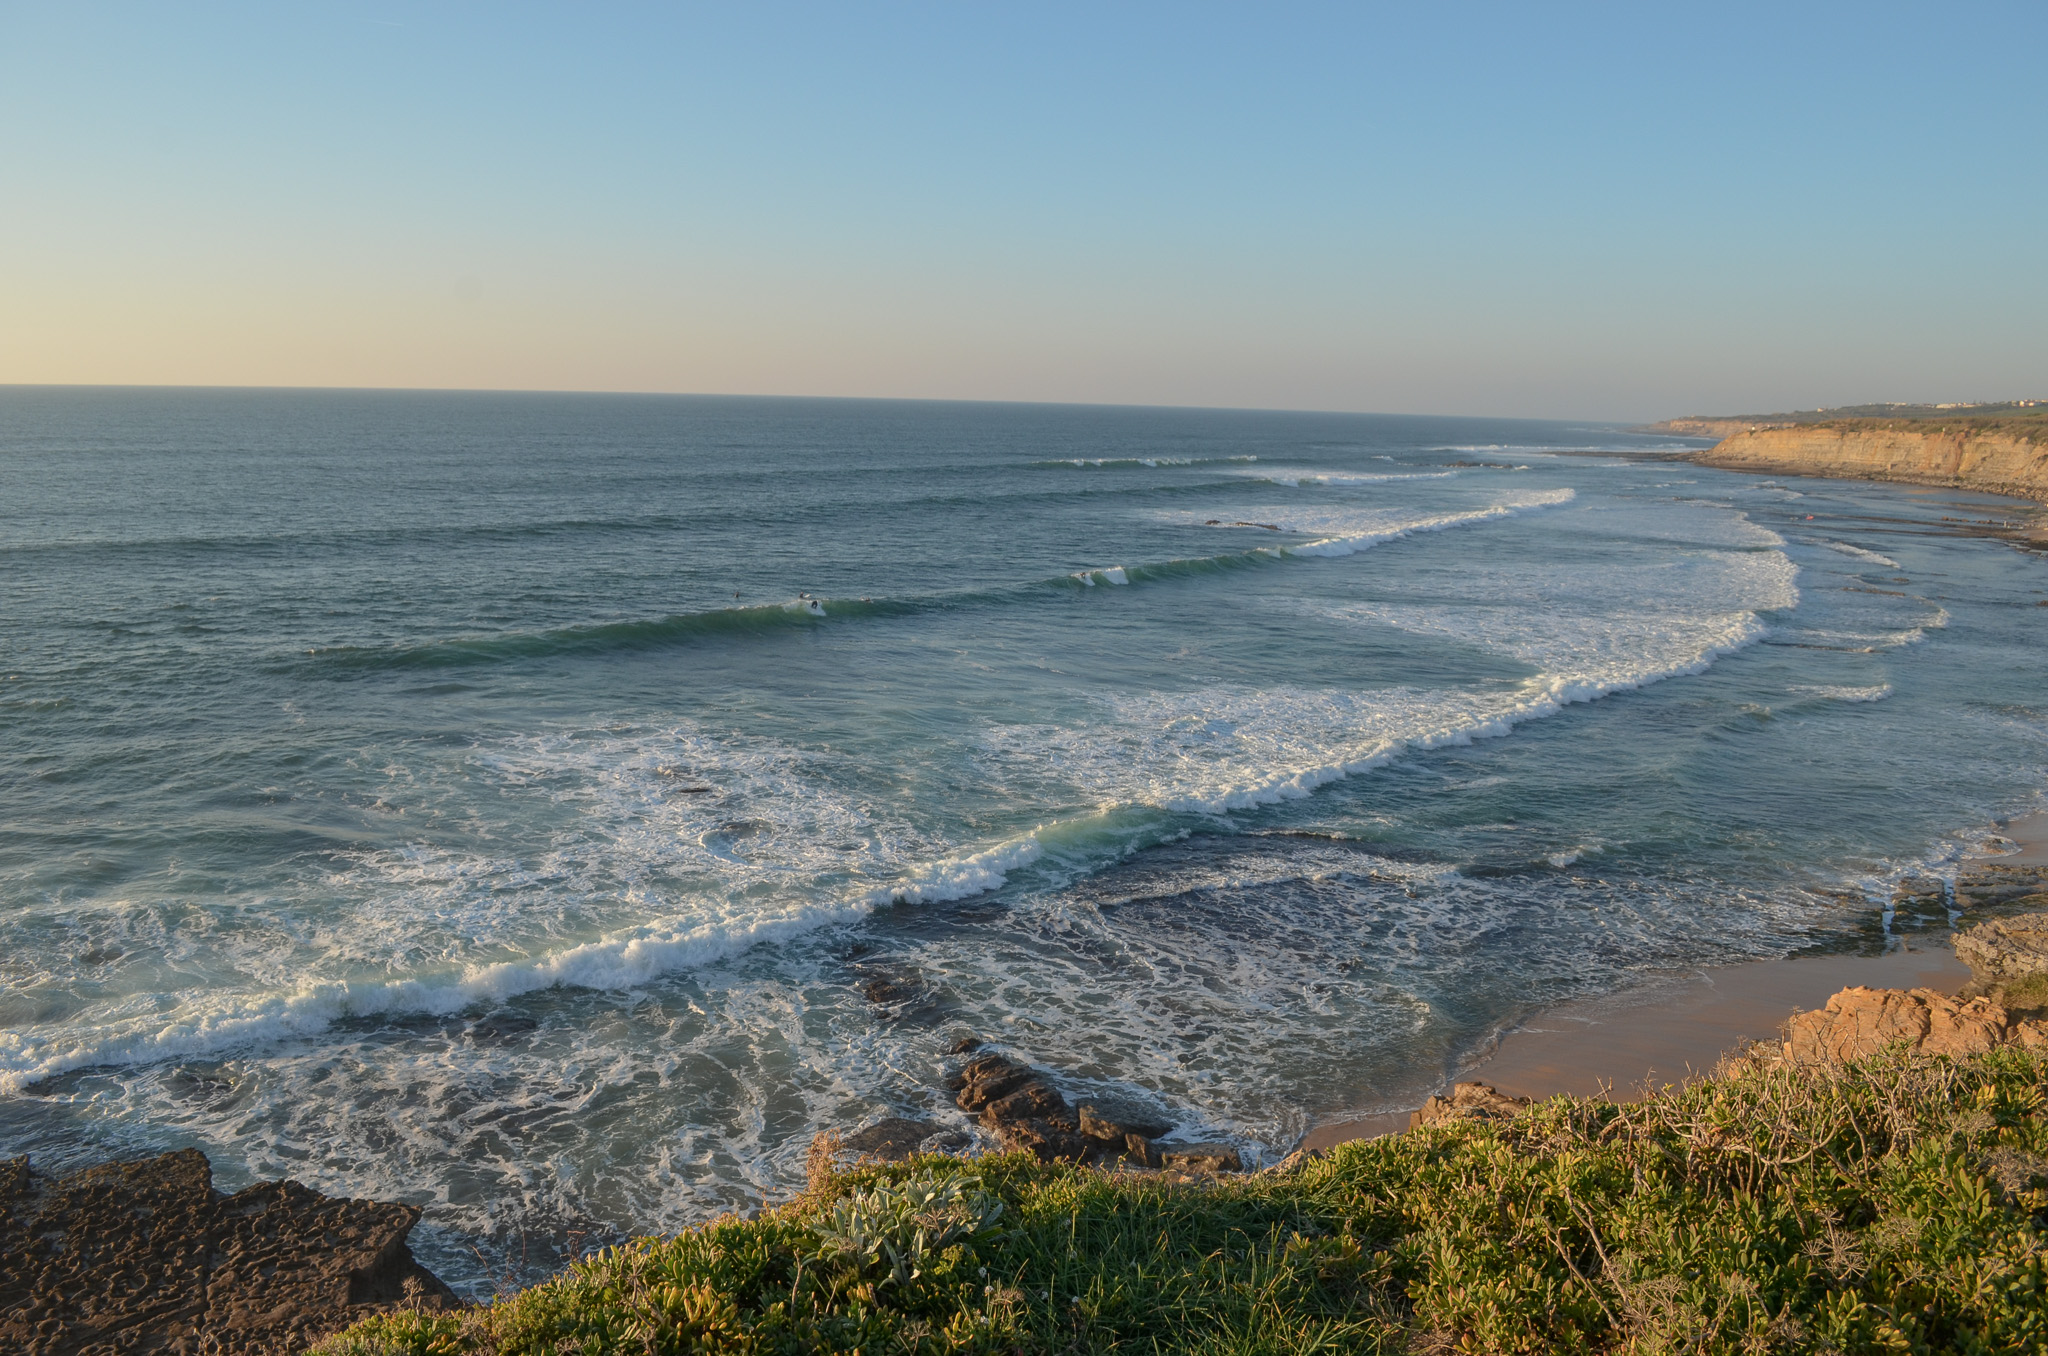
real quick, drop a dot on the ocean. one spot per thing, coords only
(552, 810)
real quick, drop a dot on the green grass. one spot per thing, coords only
(1888, 1207)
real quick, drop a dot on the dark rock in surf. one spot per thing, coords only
(149, 1257)
(1919, 901)
(896, 1138)
(1021, 1108)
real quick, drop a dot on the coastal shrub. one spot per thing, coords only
(1896, 1205)
(904, 1227)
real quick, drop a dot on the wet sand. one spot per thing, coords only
(2029, 835)
(1667, 1032)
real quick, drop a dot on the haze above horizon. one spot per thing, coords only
(1585, 212)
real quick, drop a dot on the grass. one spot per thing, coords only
(1893, 1206)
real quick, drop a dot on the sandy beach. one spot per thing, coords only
(1668, 1031)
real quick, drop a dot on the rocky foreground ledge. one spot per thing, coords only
(148, 1257)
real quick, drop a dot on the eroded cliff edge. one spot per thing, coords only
(1992, 459)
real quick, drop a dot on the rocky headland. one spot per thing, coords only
(2000, 457)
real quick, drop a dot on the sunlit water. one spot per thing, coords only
(505, 803)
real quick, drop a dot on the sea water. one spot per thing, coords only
(552, 810)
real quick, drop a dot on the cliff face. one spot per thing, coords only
(1996, 462)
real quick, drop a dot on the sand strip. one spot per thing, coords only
(1666, 1032)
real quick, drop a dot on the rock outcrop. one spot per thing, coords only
(1468, 1102)
(890, 1141)
(1952, 455)
(1985, 885)
(1860, 1022)
(2005, 950)
(1022, 1109)
(148, 1257)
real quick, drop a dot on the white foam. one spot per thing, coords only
(1832, 692)
(1349, 530)
(1147, 462)
(1846, 549)
(685, 850)
(1294, 479)
(1587, 631)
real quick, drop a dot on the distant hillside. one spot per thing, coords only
(2020, 418)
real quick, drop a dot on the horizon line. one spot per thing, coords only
(765, 395)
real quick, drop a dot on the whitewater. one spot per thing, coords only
(553, 811)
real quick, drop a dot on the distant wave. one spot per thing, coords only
(1125, 463)
(605, 637)
(1296, 478)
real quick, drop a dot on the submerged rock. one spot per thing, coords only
(1022, 1109)
(149, 1257)
(1468, 1102)
(896, 1138)
(1919, 901)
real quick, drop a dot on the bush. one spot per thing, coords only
(1895, 1205)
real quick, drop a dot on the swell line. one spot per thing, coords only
(805, 612)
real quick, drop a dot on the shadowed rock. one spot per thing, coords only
(148, 1257)
(896, 1138)
(1468, 1102)
(1023, 1110)
(1199, 1158)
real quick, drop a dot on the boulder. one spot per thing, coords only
(895, 1138)
(1022, 1109)
(1201, 1159)
(2005, 949)
(1858, 1022)
(149, 1257)
(1468, 1102)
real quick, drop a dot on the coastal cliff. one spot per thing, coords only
(1992, 456)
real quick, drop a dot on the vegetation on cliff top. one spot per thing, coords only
(1896, 1204)
(2033, 427)
(2025, 419)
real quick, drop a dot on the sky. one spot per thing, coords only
(1620, 211)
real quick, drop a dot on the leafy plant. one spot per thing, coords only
(903, 1225)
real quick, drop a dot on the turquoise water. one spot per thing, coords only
(508, 803)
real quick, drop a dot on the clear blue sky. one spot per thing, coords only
(1584, 211)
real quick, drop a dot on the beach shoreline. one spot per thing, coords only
(1680, 1026)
